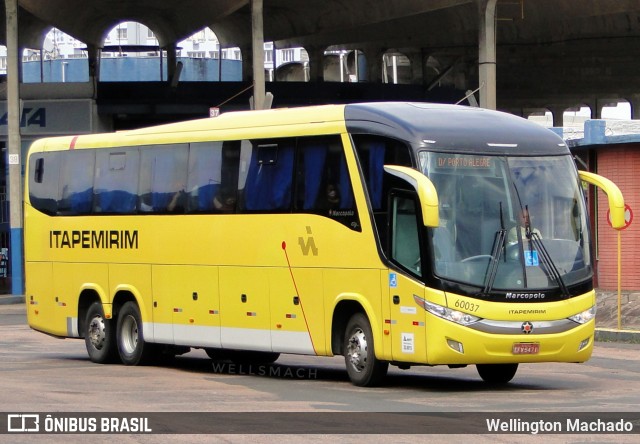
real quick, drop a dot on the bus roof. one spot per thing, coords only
(236, 125)
(424, 125)
(453, 127)
(252, 119)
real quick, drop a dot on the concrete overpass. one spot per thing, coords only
(549, 54)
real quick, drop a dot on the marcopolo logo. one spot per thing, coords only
(513, 295)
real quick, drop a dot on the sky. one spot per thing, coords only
(622, 111)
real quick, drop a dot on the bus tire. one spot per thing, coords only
(497, 373)
(130, 338)
(364, 369)
(99, 335)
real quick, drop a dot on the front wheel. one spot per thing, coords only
(130, 338)
(364, 369)
(497, 373)
(99, 335)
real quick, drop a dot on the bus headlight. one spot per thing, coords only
(450, 315)
(585, 316)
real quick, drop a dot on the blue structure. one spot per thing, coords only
(131, 69)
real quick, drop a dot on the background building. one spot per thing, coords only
(63, 58)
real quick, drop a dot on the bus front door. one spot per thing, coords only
(408, 338)
(407, 323)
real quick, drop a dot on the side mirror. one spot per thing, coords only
(614, 195)
(426, 192)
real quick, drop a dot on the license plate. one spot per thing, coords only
(526, 348)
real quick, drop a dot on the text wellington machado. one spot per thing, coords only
(94, 239)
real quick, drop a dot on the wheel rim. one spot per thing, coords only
(129, 334)
(357, 350)
(97, 333)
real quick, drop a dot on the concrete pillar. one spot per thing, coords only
(316, 63)
(374, 64)
(257, 45)
(247, 64)
(171, 61)
(596, 108)
(598, 112)
(557, 113)
(634, 102)
(417, 66)
(93, 54)
(15, 148)
(487, 53)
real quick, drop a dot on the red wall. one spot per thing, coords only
(621, 164)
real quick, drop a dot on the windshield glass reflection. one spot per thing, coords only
(508, 222)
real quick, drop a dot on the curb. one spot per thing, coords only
(612, 335)
(11, 299)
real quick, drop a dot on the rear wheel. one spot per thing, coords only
(130, 338)
(99, 335)
(363, 367)
(497, 373)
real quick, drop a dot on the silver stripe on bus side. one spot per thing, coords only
(515, 327)
(72, 327)
(298, 342)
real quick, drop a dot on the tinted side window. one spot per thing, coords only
(373, 153)
(213, 176)
(76, 182)
(323, 183)
(405, 242)
(205, 171)
(116, 181)
(44, 170)
(268, 183)
(163, 179)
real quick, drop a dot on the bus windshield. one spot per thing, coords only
(508, 222)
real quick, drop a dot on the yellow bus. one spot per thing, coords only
(389, 233)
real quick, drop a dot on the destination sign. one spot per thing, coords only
(462, 161)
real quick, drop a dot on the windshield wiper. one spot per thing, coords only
(551, 268)
(535, 242)
(499, 247)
